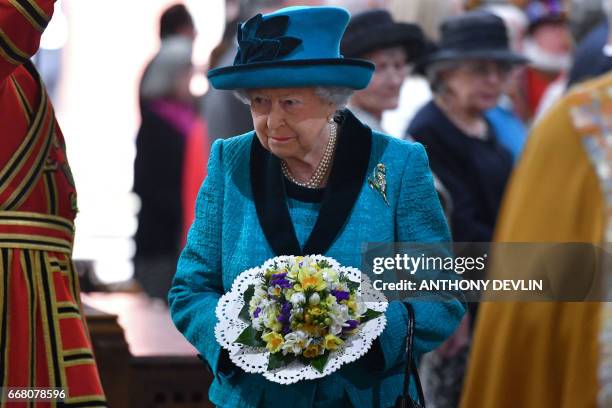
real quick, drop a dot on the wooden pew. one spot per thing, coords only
(144, 361)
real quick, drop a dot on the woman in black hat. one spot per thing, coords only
(467, 75)
(374, 36)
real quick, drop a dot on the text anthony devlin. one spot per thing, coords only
(482, 285)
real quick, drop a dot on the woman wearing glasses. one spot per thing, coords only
(467, 75)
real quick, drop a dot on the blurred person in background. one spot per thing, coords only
(553, 354)
(393, 47)
(174, 21)
(228, 39)
(584, 15)
(548, 45)
(593, 56)
(169, 166)
(415, 91)
(505, 117)
(468, 74)
(474, 4)
(44, 340)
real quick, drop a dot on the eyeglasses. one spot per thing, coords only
(485, 69)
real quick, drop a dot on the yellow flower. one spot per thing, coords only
(312, 351)
(315, 311)
(312, 329)
(271, 320)
(352, 303)
(332, 275)
(274, 341)
(332, 342)
(330, 300)
(311, 279)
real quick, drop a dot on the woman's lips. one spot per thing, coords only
(280, 138)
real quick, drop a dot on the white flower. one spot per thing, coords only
(314, 299)
(296, 312)
(330, 275)
(342, 286)
(361, 306)
(259, 296)
(270, 318)
(257, 322)
(295, 342)
(297, 298)
(339, 314)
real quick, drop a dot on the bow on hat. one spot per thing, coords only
(261, 40)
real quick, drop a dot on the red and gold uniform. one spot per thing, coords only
(43, 336)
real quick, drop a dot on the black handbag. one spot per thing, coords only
(405, 400)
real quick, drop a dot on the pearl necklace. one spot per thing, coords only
(319, 174)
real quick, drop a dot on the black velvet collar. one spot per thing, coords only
(345, 182)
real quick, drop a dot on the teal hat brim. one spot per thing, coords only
(343, 72)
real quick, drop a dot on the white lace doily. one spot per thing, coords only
(255, 360)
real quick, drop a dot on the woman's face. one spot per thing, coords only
(476, 85)
(290, 122)
(383, 91)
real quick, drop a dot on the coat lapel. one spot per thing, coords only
(271, 201)
(345, 182)
(344, 185)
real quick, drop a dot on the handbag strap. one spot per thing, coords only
(411, 368)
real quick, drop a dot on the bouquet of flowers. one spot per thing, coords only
(299, 318)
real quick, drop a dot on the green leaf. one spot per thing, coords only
(244, 312)
(249, 293)
(353, 285)
(278, 360)
(369, 315)
(323, 264)
(250, 337)
(319, 362)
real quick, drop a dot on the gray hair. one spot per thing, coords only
(337, 95)
(434, 71)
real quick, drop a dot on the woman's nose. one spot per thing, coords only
(275, 117)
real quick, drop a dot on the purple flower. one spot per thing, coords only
(280, 279)
(340, 295)
(284, 315)
(350, 325)
(256, 312)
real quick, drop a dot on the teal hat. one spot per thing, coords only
(290, 48)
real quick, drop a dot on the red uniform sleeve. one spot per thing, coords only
(22, 23)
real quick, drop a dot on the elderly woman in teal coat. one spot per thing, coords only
(307, 180)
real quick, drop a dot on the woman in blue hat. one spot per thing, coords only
(302, 183)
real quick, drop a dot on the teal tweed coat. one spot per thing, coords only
(243, 218)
